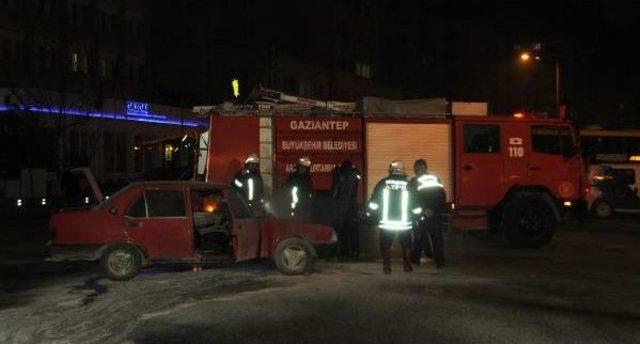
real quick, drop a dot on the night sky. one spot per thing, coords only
(448, 49)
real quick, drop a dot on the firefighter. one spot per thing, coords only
(299, 188)
(248, 181)
(391, 203)
(344, 192)
(429, 195)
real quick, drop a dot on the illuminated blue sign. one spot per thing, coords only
(137, 108)
(148, 118)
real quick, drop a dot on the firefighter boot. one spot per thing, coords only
(385, 251)
(406, 259)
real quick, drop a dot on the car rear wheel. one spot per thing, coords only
(528, 221)
(602, 209)
(121, 262)
(294, 256)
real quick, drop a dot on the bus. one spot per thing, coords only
(613, 159)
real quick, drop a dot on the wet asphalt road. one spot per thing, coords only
(583, 287)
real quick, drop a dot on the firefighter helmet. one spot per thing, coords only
(397, 167)
(304, 161)
(252, 158)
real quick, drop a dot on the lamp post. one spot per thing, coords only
(525, 57)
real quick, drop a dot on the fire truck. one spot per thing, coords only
(516, 176)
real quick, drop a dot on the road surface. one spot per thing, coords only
(583, 287)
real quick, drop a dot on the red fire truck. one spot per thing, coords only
(512, 175)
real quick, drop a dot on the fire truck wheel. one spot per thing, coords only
(528, 221)
(602, 209)
(121, 262)
(293, 256)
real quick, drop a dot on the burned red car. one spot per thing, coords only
(181, 222)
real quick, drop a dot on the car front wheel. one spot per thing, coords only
(120, 262)
(294, 256)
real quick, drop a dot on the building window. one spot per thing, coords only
(141, 72)
(75, 61)
(363, 70)
(108, 152)
(49, 58)
(75, 14)
(105, 21)
(44, 8)
(78, 148)
(104, 68)
(6, 49)
(115, 152)
(39, 61)
(84, 65)
(168, 153)
(132, 71)
(131, 27)
(121, 153)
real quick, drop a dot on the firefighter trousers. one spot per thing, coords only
(428, 236)
(387, 237)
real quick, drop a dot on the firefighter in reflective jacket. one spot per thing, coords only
(300, 188)
(429, 195)
(248, 181)
(392, 205)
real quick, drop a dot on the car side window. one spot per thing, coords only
(165, 203)
(139, 208)
(481, 138)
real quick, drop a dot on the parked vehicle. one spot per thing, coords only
(614, 188)
(181, 222)
(513, 175)
(614, 167)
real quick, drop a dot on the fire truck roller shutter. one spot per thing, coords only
(408, 142)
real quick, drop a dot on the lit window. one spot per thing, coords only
(75, 61)
(363, 70)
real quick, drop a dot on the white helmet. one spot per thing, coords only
(304, 161)
(397, 167)
(252, 158)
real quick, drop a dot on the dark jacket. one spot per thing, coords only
(344, 187)
(243, 180)
(303, 183)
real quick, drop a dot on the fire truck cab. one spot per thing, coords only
(517, 175)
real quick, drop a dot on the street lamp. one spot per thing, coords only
(525, 57)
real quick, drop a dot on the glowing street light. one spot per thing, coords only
(525, 57)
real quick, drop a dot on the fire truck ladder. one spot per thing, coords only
(281, 97)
